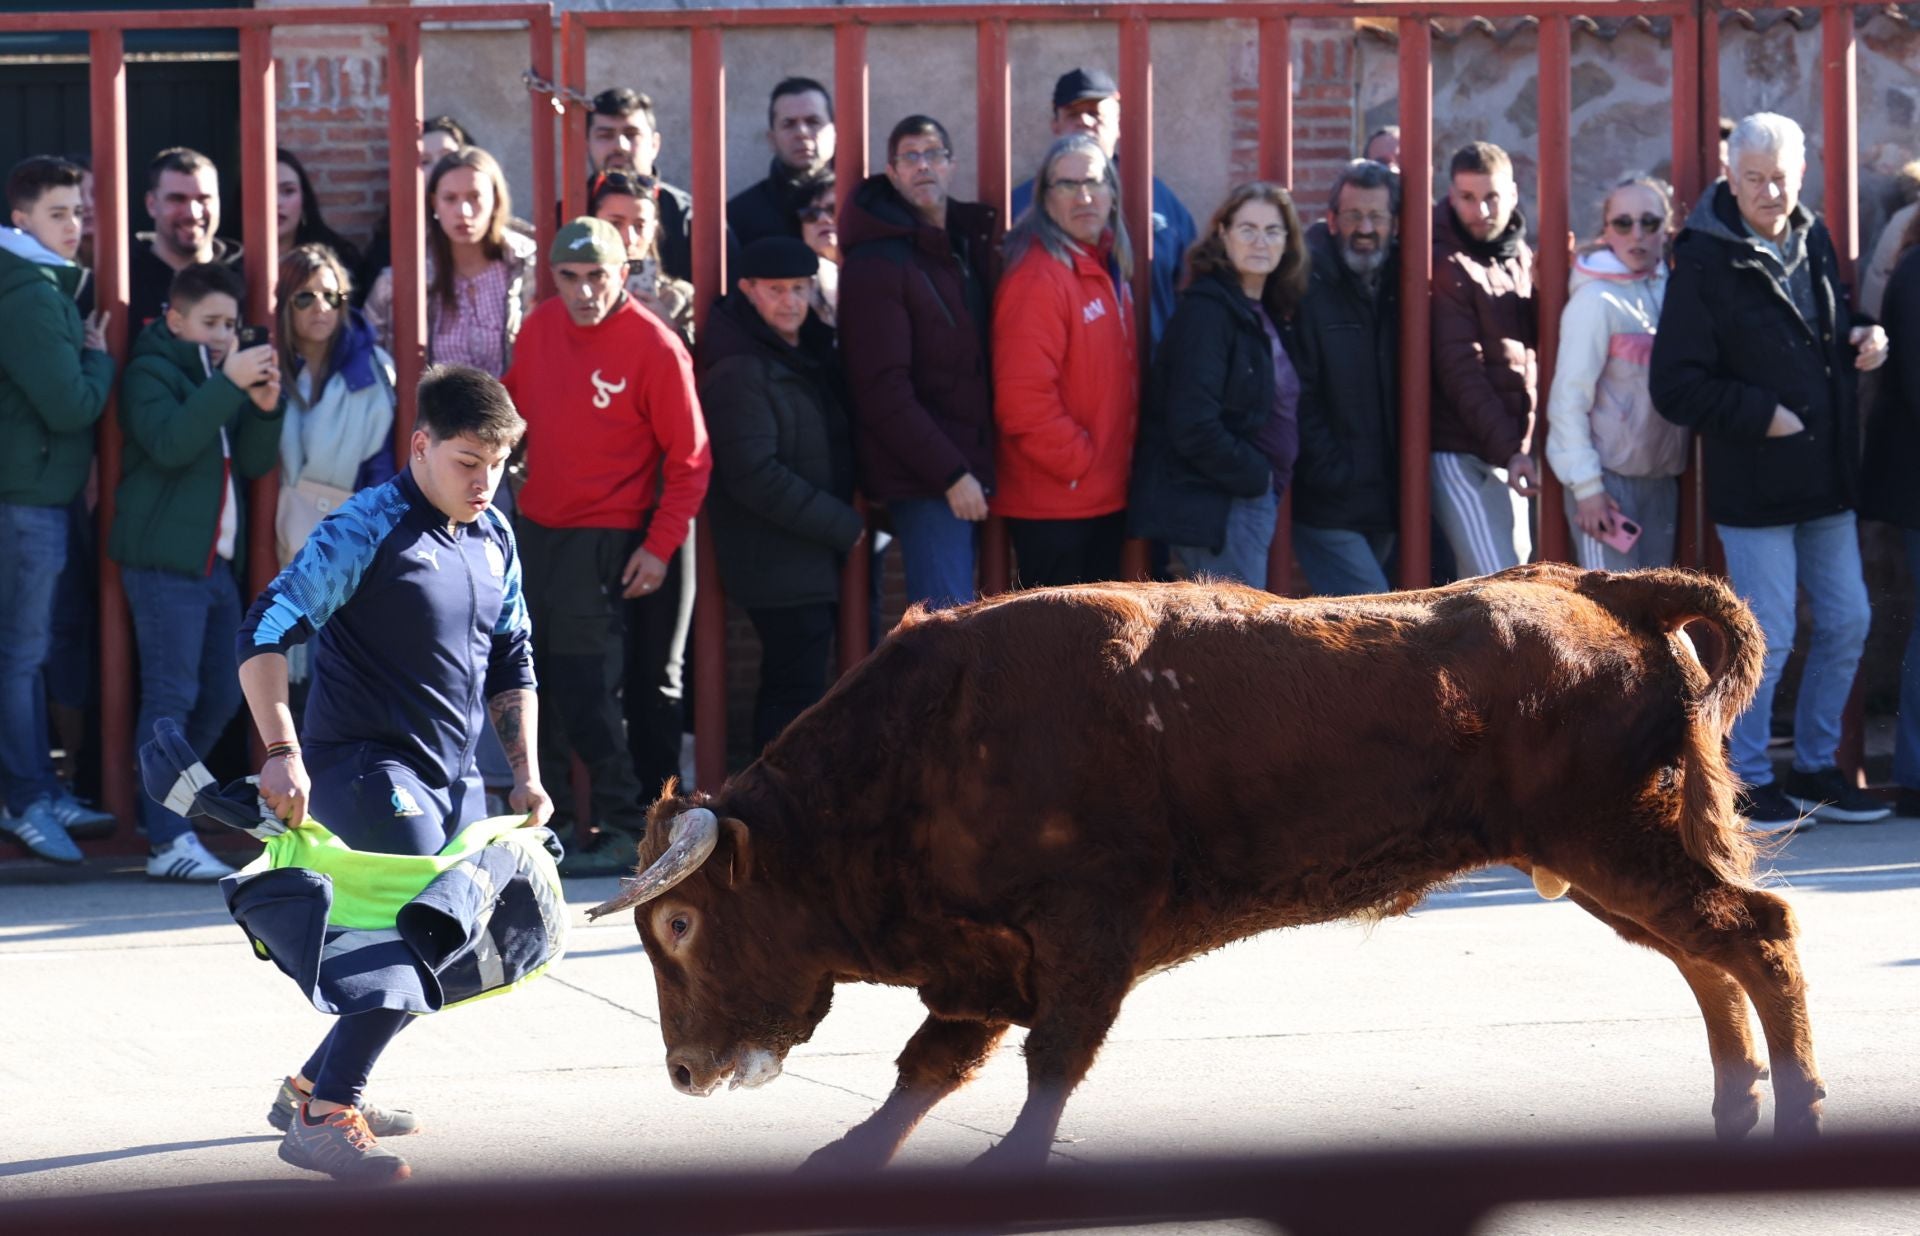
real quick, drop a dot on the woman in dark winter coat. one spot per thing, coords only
(781, 501)
(1219, 432)
(1893, 457)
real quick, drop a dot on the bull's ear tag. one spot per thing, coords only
(739, 856)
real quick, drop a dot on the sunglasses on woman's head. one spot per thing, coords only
(1651, 224)
(814, 214)
(306, 300)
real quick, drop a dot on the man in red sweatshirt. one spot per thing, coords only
(617, 464)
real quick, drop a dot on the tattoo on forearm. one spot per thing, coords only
(509, 721)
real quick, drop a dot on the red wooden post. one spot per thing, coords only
(1136, 197)
(260, 234)
(850, 168)
(544, 110)
(107, 87)
(1276, 165)
(1841, 155)
(1416, 273)
(573, 133)
(994, 88)
(1690, 180)
(710, 276)
(406, 210)
(1552, 269)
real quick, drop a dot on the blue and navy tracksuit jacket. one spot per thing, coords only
(418, 621)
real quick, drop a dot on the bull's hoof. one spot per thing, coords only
(1735, 1118)
(1797, 1126)
(843, 1157)
(1007, 1155)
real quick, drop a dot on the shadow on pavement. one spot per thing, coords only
(25, 1166)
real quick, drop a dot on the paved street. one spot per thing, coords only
(142, 1046)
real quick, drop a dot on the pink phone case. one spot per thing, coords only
(1625, 533)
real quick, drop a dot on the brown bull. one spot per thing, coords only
(1021, 807)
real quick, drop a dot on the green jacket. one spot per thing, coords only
(52, 389)
(167, 513)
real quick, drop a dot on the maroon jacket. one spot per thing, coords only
(913, 320)
(1486, 377)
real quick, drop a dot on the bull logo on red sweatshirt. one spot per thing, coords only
(604, 391)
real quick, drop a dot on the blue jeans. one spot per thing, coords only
(937, 551)
(185, 628)
(1340, 562)
(35, 541)
(1906, 741)
(1764, 564)
(1244, 555)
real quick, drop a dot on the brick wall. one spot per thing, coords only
(1323, 119)
(333, 115)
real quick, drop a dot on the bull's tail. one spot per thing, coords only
(1719, 649)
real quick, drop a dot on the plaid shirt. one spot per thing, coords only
(474, 332)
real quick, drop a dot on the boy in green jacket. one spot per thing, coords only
(200, 417)
(54, 377)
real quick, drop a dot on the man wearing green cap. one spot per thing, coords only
(617, 464)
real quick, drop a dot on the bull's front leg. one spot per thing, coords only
(1060, 1048)
(941, 1057)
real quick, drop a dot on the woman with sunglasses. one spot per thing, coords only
(337, 437)
(817, 221)
(1618, 459)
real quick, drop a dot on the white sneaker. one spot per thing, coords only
(185, 858)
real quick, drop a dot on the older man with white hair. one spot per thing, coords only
(1758, 352)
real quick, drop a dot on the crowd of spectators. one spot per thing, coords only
(895, 342)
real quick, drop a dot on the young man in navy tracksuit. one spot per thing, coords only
(411, 594)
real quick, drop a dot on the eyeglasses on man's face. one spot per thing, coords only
(1092, 187)
(937, 157)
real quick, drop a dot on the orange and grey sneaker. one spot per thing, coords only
(341, 1145)
(380, 1121)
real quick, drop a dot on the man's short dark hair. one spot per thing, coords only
(182, 159)
(1366, 174)
(917, 126)
(1480, 159)
(456, 400)
(203, 279)
(797, 85)
(620, 101)
(1385, 130)
(448, 125)
(30, 179)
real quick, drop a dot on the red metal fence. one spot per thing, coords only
(1695, 103)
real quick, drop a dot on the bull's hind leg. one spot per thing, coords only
(941, 1057)
(1746, 932)
(1737, 1068)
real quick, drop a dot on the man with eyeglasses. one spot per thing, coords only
(915, 307)
(1087, 101)
(617, 465)
(1346, 482)
(1759, 354)
(1485, 374)
(800, 131)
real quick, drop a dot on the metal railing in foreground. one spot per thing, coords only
(1434, 1191)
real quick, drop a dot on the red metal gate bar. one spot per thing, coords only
(1136, 195)
(850, 168)
(406, 214)
(1276, 165)
(1552, 270)
(992, 85)
(260, 240)
(1416, 272)
(1688, 182)
(1179, 10)
(107, 86)
(545, 108)
(710, 274)
(573, 136)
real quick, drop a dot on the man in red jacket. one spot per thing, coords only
(617, 464)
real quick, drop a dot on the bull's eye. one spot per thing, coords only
(679, 925)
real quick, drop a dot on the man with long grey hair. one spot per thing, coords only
(1066, 372)
(1757, 351)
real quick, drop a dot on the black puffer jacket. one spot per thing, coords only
(1893, 435)
(1732, 346)
(781, 498)
(1211, 392)
(1346, 348)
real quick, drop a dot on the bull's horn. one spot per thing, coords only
(694, 834)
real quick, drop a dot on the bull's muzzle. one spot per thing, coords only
(700, 1073)
(691, 838)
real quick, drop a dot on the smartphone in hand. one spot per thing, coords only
(1625, 533)
(252, 337)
